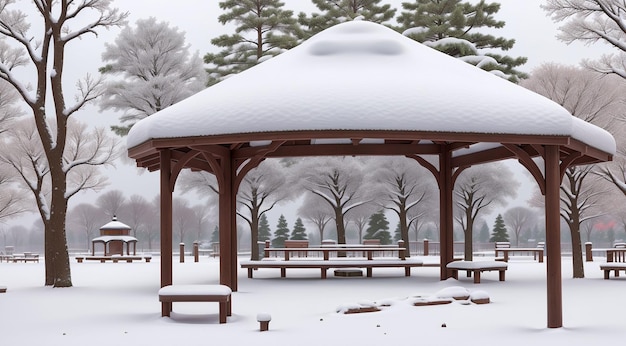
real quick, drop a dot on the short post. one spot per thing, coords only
(588, 253)
(425, 247)
(181, 249)
(402, 254)
(267, 246)
(264, 321)
(196, 251)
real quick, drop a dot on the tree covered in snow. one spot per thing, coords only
(406, 188)
(592, 21)
(41, 57)
(338, 11)
(317, 212)
(454, 27)
(281, 233)
(596, 99)
(477, 191)
(263, 29)
(156, 70)
(378, 228)
(499, 232)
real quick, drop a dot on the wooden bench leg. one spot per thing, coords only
(166, 308)
(502, 274)
(616, 273)
(407, 271)
(283, 272)
(249, 273)
(369, 272)
(323, 273)
(476, 276)
(606, 274)
(223, 311)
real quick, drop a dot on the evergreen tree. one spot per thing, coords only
(378, 227)
(215, 236)
(450, 26)
(298, 232)
(282, 232)
(338, 11)
(265, 233)
(482, 235)
(397, 234)
(263, 30)
(499, 232)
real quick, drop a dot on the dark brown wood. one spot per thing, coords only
(553, 236)
(166, 219)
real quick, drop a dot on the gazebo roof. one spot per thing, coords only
(360, 76)
(114, 224)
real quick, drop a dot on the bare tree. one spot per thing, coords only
(111, 202)
(316, 211)
(360, 216)
(88, 219)
(404, 186)
(337, 181)
(591, 21)
(261, 189)
(135, 212)
(182, 218)
(60, 23)
(202, 215)
(478, 190)
(519, 219)
(596, 99)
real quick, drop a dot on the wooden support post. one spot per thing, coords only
(588, 252)
(181, 255)
(426, 250)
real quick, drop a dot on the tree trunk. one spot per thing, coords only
(57, 260)
(254, 235)
(469, 242)
(404, 231)
(578, 267)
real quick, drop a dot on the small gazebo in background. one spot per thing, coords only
(115, 236)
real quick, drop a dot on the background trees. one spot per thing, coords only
(156, 71)
(263, 30)
(453, 27)
(337, 11)
(477, 190)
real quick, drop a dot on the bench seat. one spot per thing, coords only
(196, 293)
(616, 267)
(324, 265)
(477, 267)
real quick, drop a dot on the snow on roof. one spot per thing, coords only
(108, 238)
(360, 75)
(114, 224)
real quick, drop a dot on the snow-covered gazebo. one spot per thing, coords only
(114, 237)
(360, 88)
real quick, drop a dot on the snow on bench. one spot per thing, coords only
(196, 293)
(476, 267)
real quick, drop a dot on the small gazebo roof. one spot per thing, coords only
(364, 76)
(115, 225)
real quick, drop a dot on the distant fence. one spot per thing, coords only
(433, 248)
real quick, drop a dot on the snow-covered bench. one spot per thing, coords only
(477, 267)
(612, 266)
(196, 293)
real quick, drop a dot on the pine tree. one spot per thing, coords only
(397, 234)
(282, 232)
(263, 30)
(499, 232)
(265, 233)
(451, 27)
(378, 227)
(338, 11)
(215, 236)
(298, 232)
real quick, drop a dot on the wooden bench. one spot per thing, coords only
(477, 267)
(196, 293)
(298, 244)
(324, 265)
(114, 259)
(505, 248)
(26, 257)
(615, 267)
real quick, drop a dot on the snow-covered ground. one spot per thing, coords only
(117, 304)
